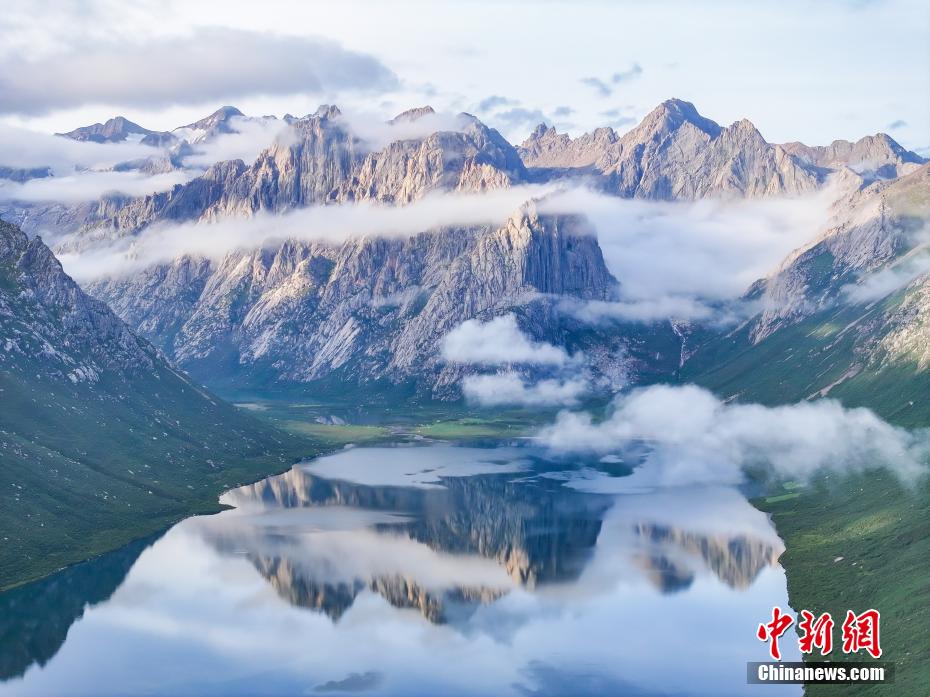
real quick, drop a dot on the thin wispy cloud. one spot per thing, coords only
(495, 101)
(605, 88)
(377, 133)
(249, 138)
(633, 72)
(23, 148)
(90, 186)
(598, 85)
(518, 119)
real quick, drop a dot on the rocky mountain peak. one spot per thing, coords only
(541, 131)
(411, 115)
(326, 111)
(115, 130)
(876, 156)
(220, 121)
(672, 114)
(224, 113)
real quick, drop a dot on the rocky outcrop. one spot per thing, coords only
(876, 157)
(117, 130)
(846, 316)
(46, 317)
(674, 153)
(318, 161)
(871, 229)
(369, 308)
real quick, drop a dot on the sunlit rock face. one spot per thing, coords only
(370, 308)
(673, 154)
(47, 320)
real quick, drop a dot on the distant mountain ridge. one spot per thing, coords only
(675, 153)
(370, 310)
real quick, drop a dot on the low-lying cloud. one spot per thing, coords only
(250, 138)
(206, 65)
(698, 438)
(90, 186)
(510, 388)
(883, 282)
(377, 133)
(164, 242)
(21, 148)
(498, 342)
(690, 260)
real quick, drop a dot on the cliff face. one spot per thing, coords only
(370, 307)
(46, 319)
(873, 229)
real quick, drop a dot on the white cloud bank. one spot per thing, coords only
(699, 439)
(510, 389)
(21, 148)
(90, 186)
(209, 64)
(498, 341)
(689, 260)
(162, 243)
(250, 138)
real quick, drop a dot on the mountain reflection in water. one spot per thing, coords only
(488, 543)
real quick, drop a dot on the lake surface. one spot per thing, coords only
(418, 570)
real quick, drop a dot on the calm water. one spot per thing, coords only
(417, 570)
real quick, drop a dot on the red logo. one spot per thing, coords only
(774, 629)
(816, 633)
(860, 632)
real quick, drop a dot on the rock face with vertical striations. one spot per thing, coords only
(375, 308)
(369, 308)
(319, 160)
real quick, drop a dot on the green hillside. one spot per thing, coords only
(101, 441)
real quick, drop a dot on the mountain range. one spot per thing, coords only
(374, 309)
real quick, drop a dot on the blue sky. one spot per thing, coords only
(800, 71)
